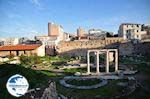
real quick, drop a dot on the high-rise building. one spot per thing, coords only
(55, 30)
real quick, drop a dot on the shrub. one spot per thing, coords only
(25, 60)
(30, 60)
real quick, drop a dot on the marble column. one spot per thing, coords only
(97, 60)
(116, 60)
(107, 61)
(88, 63)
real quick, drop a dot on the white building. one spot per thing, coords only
(130, 31)
(47, 40)
(93, 31)
(96, 34)
(10, 41)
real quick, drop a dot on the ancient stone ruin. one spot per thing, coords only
(108, 52)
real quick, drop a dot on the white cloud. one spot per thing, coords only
(37, 4)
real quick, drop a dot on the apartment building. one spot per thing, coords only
(131, 31)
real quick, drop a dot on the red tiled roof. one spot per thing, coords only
(19, 47)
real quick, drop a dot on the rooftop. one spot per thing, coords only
(130, 24)
(19, 47)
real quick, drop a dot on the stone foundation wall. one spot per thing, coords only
(79, 48)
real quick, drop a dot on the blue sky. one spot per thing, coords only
(27, 18)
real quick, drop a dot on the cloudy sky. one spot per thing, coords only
(27, 18)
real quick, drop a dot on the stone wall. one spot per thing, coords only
(126, 48)
(79, 48)
(142, 48)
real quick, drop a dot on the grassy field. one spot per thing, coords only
(106, 91)
(88, 82)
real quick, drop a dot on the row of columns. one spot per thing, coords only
(107, 59)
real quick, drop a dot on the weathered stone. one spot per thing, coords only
(79, 48)
(77, 74)
(50, 91)
(123, 84)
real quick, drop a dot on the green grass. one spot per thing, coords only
(35, 60)
(143, 67)
(140, 59)
(50, 74)
(74, 70)
(109, 90)
(58, 59)
(88, 82)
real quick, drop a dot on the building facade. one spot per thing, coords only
(9, 41)
(81, 34)
(96, 34)
(47, 40)
(130, 31)
(146, 27)
(55, 30)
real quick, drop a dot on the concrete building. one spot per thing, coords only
(1, 43)
(55, 35)
(23, 40)
(81, 33)
(50, 43)
(17, 50)
(131, 31)
(146, 27)
(55, 30)
(66, 37)
(96, 34)
(10, 41)
(47, 40)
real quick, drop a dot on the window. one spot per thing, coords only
(137, 25)
(137, 30)
(127, 31)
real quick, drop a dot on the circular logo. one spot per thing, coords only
(17, 85)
